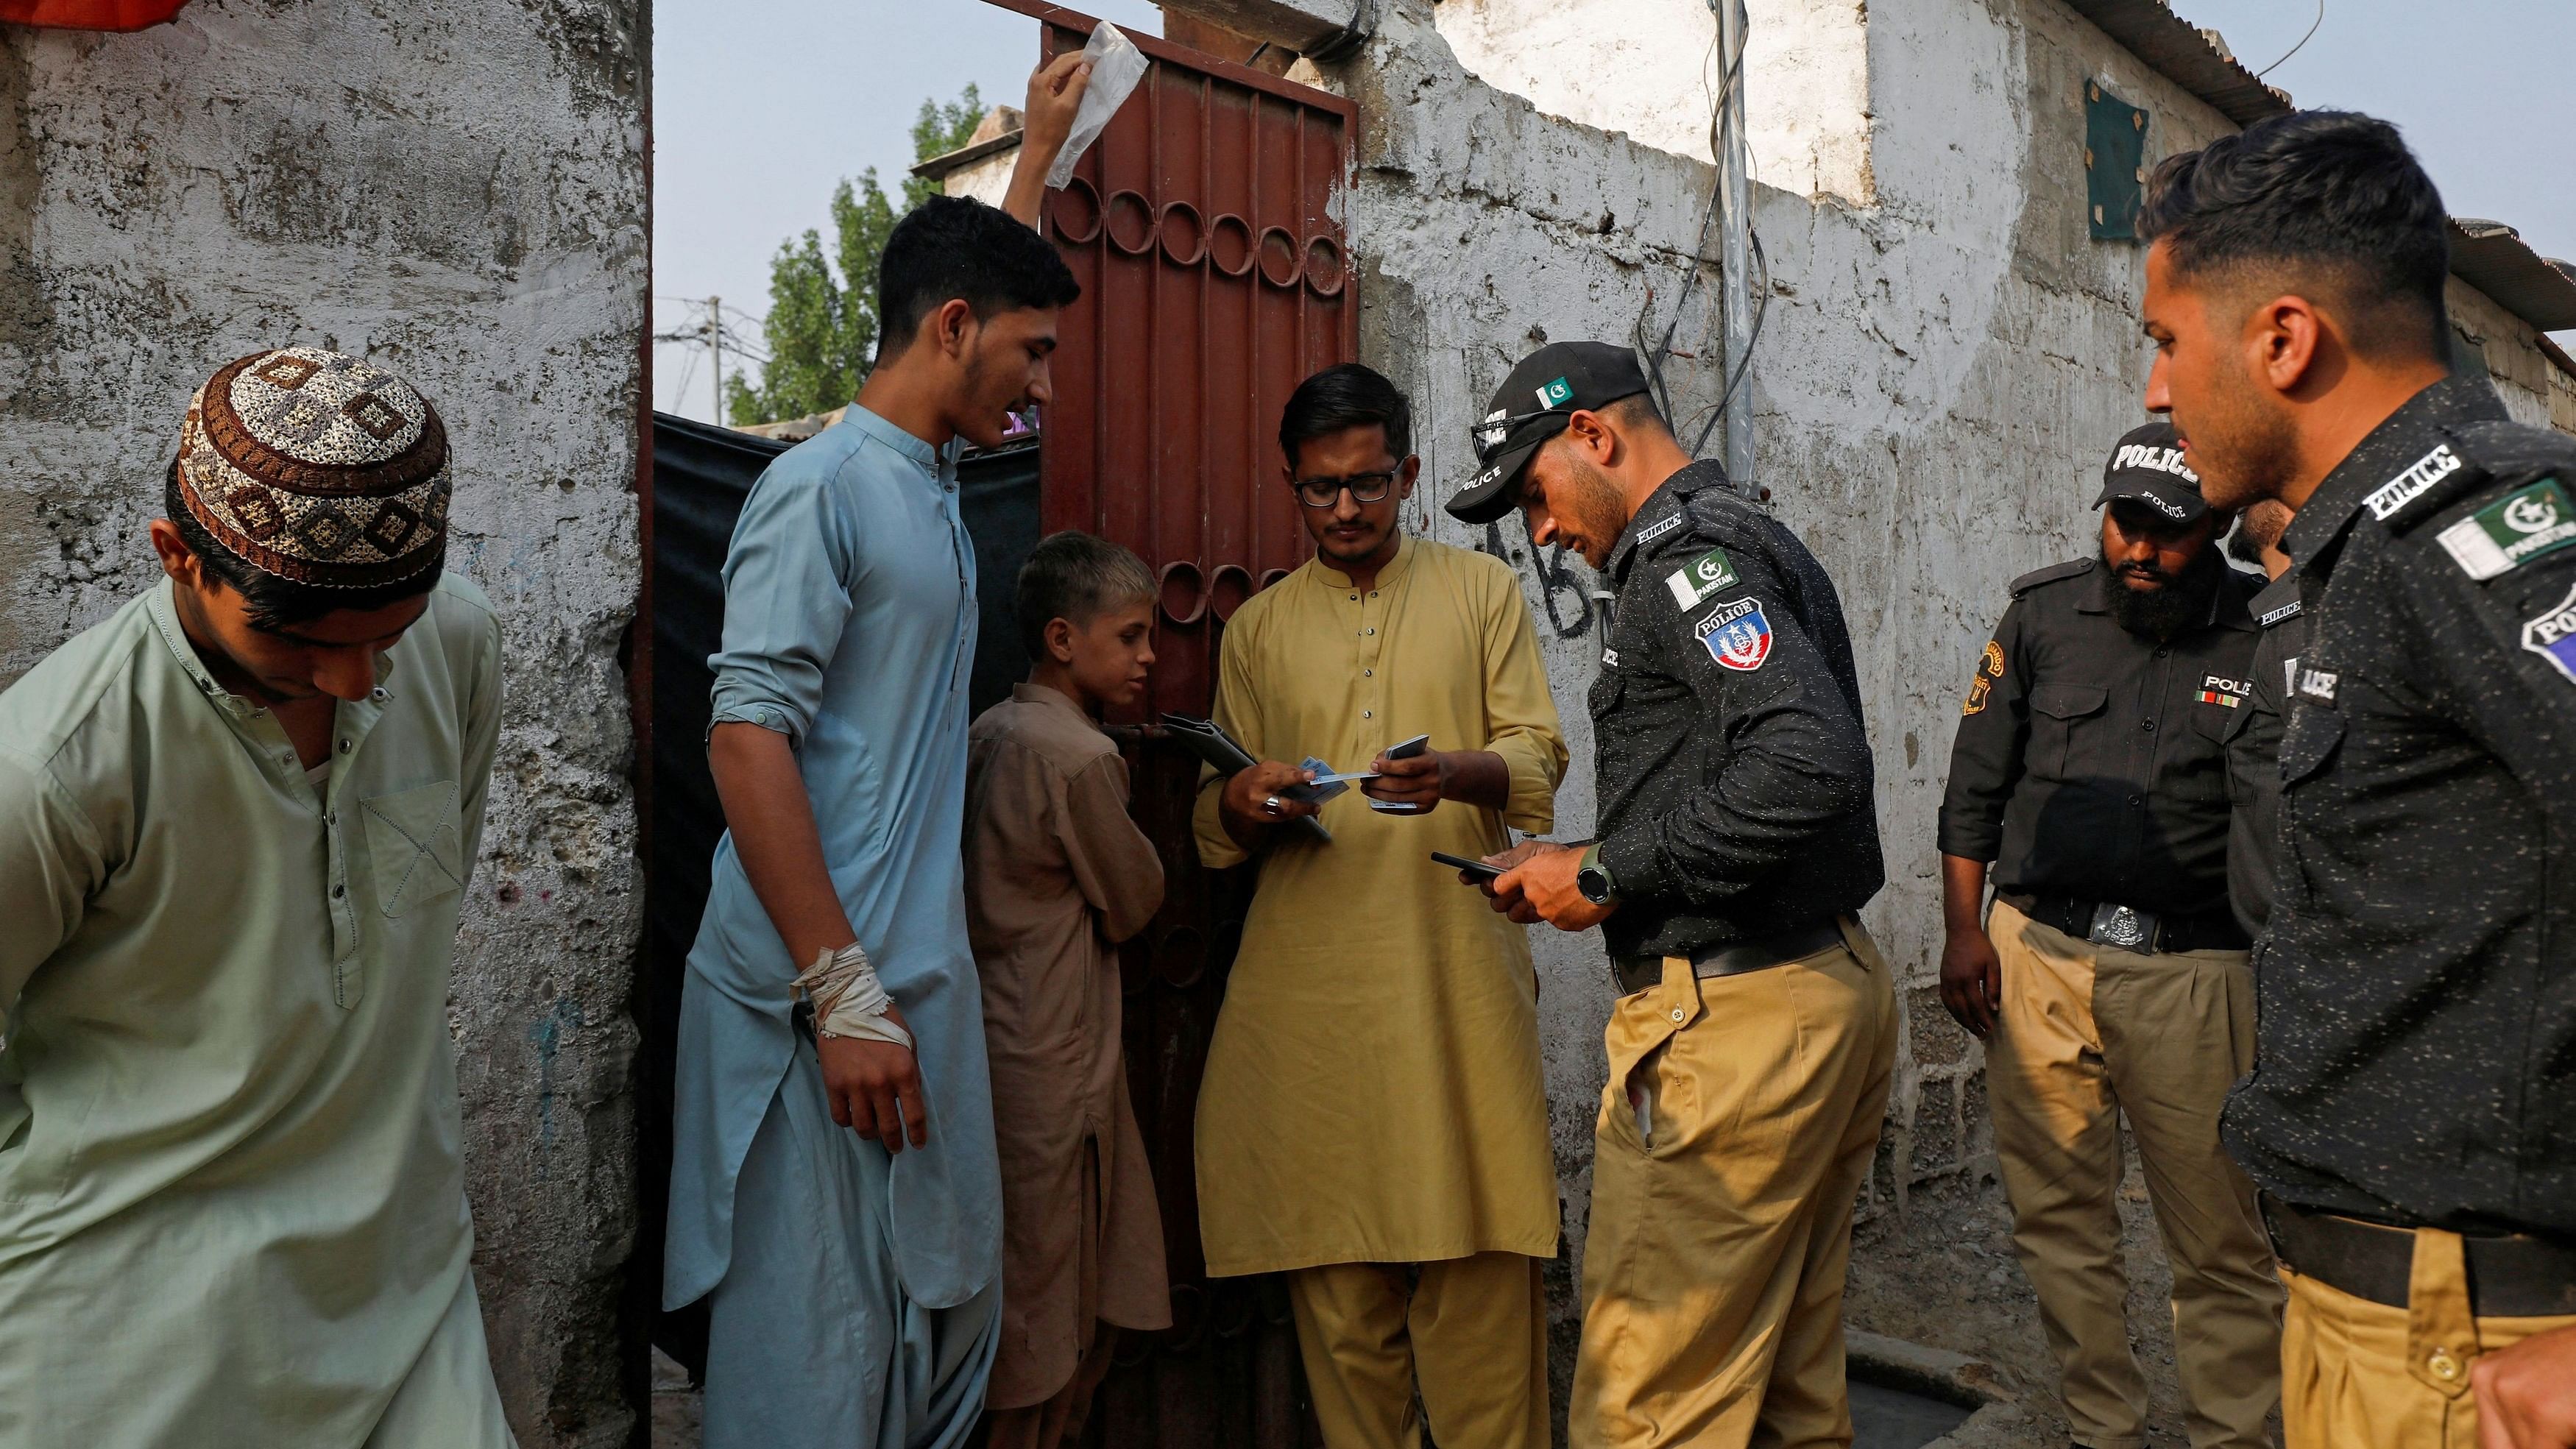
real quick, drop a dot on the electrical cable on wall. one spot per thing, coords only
(1660, 351)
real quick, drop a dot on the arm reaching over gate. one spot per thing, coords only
(1055, 93)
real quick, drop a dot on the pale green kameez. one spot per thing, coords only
(232, 1205)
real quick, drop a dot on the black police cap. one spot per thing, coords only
(2147, 467)
(1533, 404)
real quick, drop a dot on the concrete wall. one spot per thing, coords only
(457, 191)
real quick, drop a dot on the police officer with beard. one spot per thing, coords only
(2090, 770)
(2412, 1113)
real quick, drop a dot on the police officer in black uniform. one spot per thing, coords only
(2412, 1114)
(1755, 1032)
(2254, 738)
(2090, 770)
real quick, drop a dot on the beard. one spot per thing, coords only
(1599, 511)
(2179, 600)
(2242, 450)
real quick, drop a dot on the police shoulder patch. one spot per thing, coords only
(1990, 667)
(2072, 568)
(2552, 636)
(1737, 635)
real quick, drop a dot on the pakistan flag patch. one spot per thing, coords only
(2512, 531)
(1700, 578)
(1556, 394)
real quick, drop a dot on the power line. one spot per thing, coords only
(2303, 41)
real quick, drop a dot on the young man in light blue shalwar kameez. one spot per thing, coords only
(834, 1193)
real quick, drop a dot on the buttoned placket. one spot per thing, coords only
(1367, 610)
(351, 722)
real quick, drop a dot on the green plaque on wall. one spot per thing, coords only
(2115, 164)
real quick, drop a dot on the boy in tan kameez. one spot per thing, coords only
(1056, 873)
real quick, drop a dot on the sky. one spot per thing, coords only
(755, 123)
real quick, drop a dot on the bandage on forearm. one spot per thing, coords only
(848, 999)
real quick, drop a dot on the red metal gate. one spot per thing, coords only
(1204, 227)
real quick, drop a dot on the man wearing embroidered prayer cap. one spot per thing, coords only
(235, 824)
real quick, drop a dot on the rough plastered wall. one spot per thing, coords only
(2523, 375)
(455, 190)
(1944, 359)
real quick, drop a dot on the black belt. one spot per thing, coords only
(1731, 958)
(2108, 923)
(2509, 1277)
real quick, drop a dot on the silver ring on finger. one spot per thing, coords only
(1271, 804)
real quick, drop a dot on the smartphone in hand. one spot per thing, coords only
(1476, 868)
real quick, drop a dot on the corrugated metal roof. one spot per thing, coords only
(2179, 51)
(2493, 258)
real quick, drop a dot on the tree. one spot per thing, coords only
(821, 332)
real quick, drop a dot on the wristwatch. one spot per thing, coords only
(1593, 879)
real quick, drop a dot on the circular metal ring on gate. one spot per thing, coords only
(1182, 592)
(1324, 267)
(1272, 577)
(1180, 958)
(1231, 1310)
(1185, 239)
(1076, 212)
(1229, 245)
(1231, 585)
(1279, 257)
(1131, 222)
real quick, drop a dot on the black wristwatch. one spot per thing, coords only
(1594, 879)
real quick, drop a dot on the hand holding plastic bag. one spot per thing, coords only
(1116, 68)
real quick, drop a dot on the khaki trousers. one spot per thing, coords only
(2086, 1032)
(1737, 1128)
(1471, 1332)
(1059, 1420)
(2362, 1375)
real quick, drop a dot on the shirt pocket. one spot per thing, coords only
(417, 849)
(2057, 716)
(2308, 746)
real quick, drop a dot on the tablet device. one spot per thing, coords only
(1475, 868)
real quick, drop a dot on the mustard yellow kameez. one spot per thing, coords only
(1373, 1092)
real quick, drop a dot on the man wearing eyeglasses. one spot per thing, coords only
(1372, 1122)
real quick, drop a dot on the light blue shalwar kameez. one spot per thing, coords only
(855, 1298)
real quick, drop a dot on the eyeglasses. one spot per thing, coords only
(1326, 492)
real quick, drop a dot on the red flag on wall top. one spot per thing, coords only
(89, 14)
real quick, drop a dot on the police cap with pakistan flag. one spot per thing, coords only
(1533, 405)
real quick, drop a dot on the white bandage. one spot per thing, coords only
(848, 999)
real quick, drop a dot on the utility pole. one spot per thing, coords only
(715, 340)
(1735, 249)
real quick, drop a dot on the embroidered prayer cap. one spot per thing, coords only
(318, 467)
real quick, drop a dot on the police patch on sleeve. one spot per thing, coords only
(1989, 669)
(2552, 636)
(1700, 578)
(2512, 531)
(1737, 635)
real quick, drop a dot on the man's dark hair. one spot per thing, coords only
(276, 603)
(954, 246)
(1637, 410)
(2325, 196)
(1347, 396)
(1074, 576)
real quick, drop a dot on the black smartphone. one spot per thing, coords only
(1475, 868)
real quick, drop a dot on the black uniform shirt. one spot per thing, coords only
(2090, 762)
(2254, 754)
(2416, 1037)
(1734, 774)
